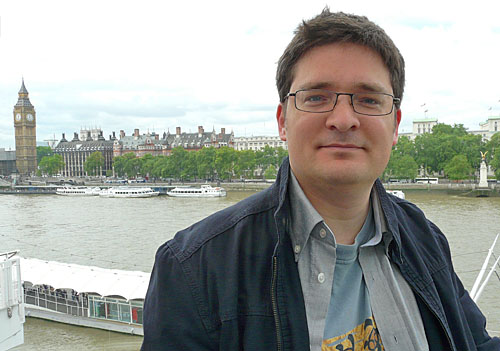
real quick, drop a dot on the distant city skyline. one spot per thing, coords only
(158, 65)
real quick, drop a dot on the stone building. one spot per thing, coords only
(140, 145)
(488, 128)
(152, 143)
(7, 162)
(259, 142)
(420, 126)
(76, 151)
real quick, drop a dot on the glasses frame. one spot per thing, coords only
(351, 95)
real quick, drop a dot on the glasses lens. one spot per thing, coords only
(314, 100)
(374, 104)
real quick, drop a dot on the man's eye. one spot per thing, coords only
(315, 99)
(368, 100)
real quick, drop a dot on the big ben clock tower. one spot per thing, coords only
(25, 126)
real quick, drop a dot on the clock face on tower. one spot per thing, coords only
(29, 117)
(18, 117)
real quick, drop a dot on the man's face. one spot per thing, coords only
(339, 147)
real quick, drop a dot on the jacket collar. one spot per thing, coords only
(388, 213)
(280, 189)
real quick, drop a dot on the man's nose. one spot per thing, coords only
(342, 118)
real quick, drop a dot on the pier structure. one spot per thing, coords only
(11, 302)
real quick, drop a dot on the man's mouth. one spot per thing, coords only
(342, 146)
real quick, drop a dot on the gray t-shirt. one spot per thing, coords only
(349, 320)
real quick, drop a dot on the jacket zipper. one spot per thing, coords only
(274, 302)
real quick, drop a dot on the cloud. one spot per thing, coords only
(156, 64)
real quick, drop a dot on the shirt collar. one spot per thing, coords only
(381, 231)
(304, 218)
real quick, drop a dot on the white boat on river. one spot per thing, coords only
(204, 191)
(78, 191)
(125, 191)
(397, 193)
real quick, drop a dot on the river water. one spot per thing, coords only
(125, 233)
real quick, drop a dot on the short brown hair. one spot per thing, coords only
(339, 27)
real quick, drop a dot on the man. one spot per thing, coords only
(324, 259)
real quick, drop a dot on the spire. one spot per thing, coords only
(23, 100)
(23, 89)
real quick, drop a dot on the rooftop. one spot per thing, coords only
(89, 279)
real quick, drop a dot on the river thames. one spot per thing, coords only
(125, 233)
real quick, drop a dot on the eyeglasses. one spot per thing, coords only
(320, 100)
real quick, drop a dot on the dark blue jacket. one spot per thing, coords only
(230, 281)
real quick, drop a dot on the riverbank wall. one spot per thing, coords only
(460, 189)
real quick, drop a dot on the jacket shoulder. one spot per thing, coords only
(416, 236)
(189, 240)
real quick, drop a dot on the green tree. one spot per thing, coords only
(401, 167)
(426, 147)
(51, 164)
(177, 162)
(442, 128)
(458, 168)
(266, 157)
(133, 165)
(119, 163)
(94, 163)
(41, 152)
(405, 146)
(127, 164)
(270, 172)
(205, 162)
(495, 164)
(471, 147)
(492, 146)
(434, 151)
(225, 158)
(281, 153)
(245, 165)
(147, 165)
(190, 170)
(160, 168)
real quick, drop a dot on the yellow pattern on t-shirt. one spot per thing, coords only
(364, 337)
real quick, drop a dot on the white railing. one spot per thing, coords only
(480, 284)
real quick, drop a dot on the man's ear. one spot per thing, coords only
(280, 118)
(396, 127)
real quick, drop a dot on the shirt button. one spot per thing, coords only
(321, 278)
(322, 233)
(297, 249)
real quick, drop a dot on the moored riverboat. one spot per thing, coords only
(397, 193)
(204, 191)
(78, 191)
(108, 299)
(124, 191)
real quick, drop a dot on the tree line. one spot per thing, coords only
(448, 151)
(209, 163)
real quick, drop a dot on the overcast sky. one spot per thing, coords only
(156, 65)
